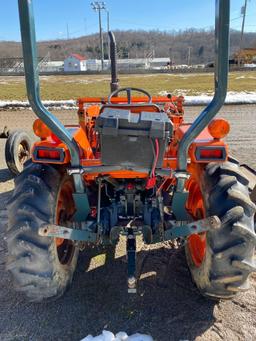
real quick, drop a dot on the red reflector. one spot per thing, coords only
(211, 154)
(48, 154)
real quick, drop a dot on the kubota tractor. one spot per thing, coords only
(130, 167)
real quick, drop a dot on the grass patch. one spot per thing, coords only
(72, 87)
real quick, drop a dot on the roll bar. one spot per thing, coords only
(28, 36)
(222, 13)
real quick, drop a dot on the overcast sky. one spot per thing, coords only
(54, 16)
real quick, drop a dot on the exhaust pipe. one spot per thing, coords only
(113, 58)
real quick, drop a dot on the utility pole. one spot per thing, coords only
(67, 32)
(99, 6)
(170, 56)
(189, 54)
(243, 12)
(108, 28)
(85, 27)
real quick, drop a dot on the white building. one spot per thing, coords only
(75, 62)
(129, 64)
(93, 65)
(134, 63)
(122, 64)
(52, 66)
(158, 63)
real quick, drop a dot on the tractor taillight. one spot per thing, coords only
(48, 154)
(211, 153)
(53, 155)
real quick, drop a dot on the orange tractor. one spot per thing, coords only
(130, 167)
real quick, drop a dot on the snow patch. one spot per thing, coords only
(63, 104)
(250, 65)
(232, 98)
(121, 336)
(177, 92)
(245, 97)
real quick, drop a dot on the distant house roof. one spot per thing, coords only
(77, 56)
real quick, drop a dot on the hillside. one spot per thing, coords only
(132, 44)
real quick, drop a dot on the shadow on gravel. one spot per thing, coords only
(167, 305)
(5, 175)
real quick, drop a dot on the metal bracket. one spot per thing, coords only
(74, 170)
(56, 231)
(179, 206)
(82, 206)
(198, 226)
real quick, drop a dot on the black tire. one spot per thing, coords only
(228, 260)
(34, 261)
(17, 150)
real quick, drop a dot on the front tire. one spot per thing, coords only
(17, 151)
(42, 267)
(221, 260)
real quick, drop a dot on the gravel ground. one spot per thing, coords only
(168, 305)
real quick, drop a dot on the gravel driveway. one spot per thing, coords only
(168, 305)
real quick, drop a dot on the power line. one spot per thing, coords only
(236, 18)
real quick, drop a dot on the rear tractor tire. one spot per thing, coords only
(221, 260)
(42, 267)
(17, 151)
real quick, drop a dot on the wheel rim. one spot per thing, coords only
(23, 152)
(195, 206)
(65, 209)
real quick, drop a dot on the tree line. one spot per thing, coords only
(192, 45)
